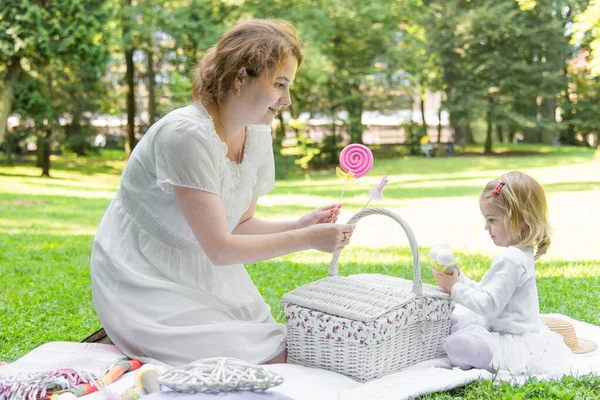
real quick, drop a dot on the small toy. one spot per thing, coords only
(356, 159)
(147, 378)
(376, 192)
(133, 393)
(442, 259)
(115, 371)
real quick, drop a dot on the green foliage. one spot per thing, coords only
(587, 33)
(503, 62)
(60, 52)
(284, 164)
(581, 115)
(413, 136)
(79, 138)
(500, 61)
(306, 149)
(572, 388)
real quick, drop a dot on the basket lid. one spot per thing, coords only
(364, 297)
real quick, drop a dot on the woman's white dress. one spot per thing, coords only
(155, 291)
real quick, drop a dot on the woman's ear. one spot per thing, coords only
(240, 78)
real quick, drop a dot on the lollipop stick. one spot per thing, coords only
(343, 190)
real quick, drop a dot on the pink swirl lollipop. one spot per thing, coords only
(357, 159)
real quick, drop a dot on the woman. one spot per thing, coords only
(166, 266)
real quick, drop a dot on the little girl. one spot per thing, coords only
(498, 325)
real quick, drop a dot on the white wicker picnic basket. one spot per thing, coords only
(367, 325)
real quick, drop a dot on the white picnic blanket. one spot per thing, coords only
(302, 383)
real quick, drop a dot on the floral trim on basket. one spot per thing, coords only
(341, 329)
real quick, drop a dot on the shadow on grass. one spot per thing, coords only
(112, 163)
(499, 150)
(16, 175)
(474, 164)
(388, 160)
(403, 190)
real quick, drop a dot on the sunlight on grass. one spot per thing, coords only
(572, 271)
(59, 190)
(47, 228)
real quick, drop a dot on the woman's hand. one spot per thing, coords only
(321, 215)
(446, 281)
(330, 237)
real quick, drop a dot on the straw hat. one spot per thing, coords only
(565, 328)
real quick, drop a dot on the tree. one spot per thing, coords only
(57, 49)
(23, 39)
(586, 31)
(419, 58)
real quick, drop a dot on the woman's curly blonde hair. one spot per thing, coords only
(258, 45)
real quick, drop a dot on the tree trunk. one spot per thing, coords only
(439, 127)
(331, 147)
(44, 145)
(530, 108)
(75, 129)
(355, 108)
(469, 136)
(511, 134)
(422, 105)
(151, 88)
(412, 136)
(488, 135)
(570, 136)
(548, 135)
(6, 105)
(330, 142)
(130, 82)
(499, 134)
(45, 151)
(8, 94)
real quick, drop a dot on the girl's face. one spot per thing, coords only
(266, 95)
(494, 224)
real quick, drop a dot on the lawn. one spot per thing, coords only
(47, 226)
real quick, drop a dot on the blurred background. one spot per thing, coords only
(428, 76)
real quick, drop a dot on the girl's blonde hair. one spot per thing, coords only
(523, 201)
(258, 45)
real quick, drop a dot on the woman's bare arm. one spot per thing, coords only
(249, 225)
(206, 217)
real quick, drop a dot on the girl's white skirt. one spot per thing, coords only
(532, 353)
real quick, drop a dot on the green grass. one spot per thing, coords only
(47, 227)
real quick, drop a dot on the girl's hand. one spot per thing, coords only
(321, 215)
(446, 281)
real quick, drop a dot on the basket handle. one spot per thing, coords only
(417, 281)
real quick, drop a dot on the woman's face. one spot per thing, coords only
(266, 95)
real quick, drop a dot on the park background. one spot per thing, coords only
(511, 84)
